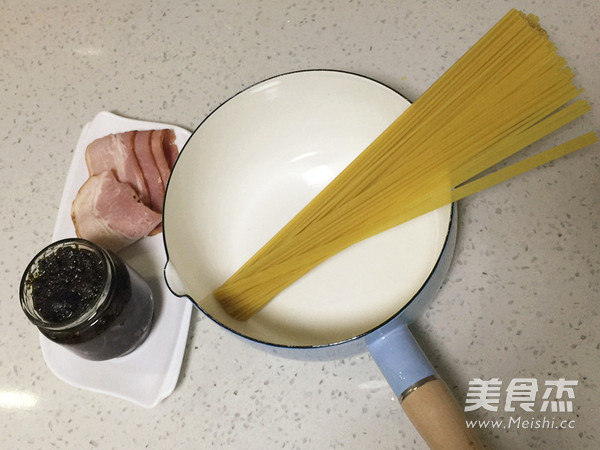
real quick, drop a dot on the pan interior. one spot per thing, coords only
(251, 166)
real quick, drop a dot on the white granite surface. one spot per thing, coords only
(522, 296)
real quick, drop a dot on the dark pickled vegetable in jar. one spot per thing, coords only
(67, 283)
(87, 299)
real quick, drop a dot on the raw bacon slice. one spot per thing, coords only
(171, 151)
(165, 152)
(147, 161)
(110, 213)
(122, 200)
(115, 152)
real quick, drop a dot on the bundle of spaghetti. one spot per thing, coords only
(507, 91)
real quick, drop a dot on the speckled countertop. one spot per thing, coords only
(522, 296)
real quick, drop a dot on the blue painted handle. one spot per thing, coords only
(399, 356)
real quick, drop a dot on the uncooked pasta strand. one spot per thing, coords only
(506, 92)
(271, 281)
(355, 184)
(370, 205)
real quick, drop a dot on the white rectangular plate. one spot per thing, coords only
(149, 374)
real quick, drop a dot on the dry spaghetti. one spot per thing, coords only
(506, 92)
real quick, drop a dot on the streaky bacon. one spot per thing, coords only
(110, 213)
(122, 200)
(144, 152)
(164, 151)
(115, 152)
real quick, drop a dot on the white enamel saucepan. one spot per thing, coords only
(247, 170)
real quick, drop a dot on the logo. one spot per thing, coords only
(522, 395)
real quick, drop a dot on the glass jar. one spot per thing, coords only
(87, 299)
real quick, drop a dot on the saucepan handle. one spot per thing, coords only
(425, 398)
